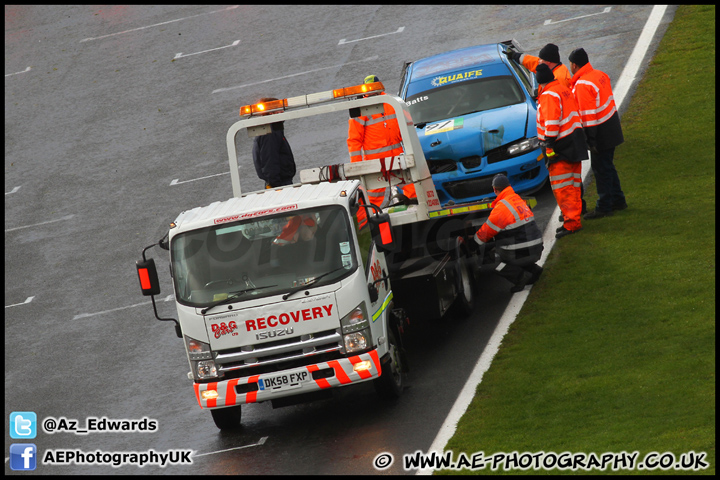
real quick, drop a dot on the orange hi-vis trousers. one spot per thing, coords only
(565, 181)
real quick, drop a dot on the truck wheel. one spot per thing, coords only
(390, 384)
(227, 418)
(465, 302)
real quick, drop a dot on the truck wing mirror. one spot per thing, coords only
(150, 286)
(381, 231)
(147, 274)
(163, 243)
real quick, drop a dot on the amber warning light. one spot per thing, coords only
(312, 99)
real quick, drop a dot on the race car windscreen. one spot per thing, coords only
(263, 256)
(462, 98)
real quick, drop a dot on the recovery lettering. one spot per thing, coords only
(290, 317)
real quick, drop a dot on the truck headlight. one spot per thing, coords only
(206, 369)
(523, 146)
(354, 342)
(356, 330)
(201, 359)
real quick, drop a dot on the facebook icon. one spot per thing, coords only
(23, 456)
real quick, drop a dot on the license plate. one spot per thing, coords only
(284, 381)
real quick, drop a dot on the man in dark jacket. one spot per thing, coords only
(601, 123)
(273, 157)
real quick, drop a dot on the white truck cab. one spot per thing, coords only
(281, 297)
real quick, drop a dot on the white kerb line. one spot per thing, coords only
(447, 430)
(633, 64)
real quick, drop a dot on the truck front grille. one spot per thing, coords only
(285, 353)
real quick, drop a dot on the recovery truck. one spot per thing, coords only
(281, 297)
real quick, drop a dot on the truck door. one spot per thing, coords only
(376, 272)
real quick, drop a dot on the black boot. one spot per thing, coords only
(536, 271)
(520, 284)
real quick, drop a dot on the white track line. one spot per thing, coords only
(447, 430)
(260, 442)
(85, 315)
(550, 22)
(345, 41)
(181, 55)
(27, 300)
(66, 217)
(157, 24)
(369, 59)
(16, 73)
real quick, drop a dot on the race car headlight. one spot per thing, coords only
(523, 146)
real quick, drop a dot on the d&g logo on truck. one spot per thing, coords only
(223, 329)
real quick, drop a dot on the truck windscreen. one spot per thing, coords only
(263, 256)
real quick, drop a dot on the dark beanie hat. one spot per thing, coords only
(579, 57)
(543, 74)
(500, 182)
(550, 53)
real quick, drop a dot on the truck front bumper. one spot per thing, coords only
(335, 373)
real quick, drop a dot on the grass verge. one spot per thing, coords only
(615, 348)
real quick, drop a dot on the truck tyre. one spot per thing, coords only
(390, 384)
(227, 418)
(465, 301)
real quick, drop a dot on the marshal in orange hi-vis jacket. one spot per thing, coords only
(376, 136)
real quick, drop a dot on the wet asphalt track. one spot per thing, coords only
(115, 121)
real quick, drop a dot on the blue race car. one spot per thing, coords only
(475, 114)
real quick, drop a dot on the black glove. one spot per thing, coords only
(592, 146)
(548, 142)
(513, 55)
